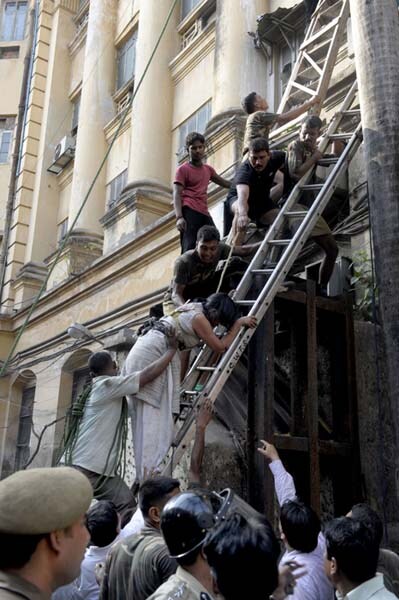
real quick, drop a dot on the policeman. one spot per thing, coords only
(185, 521)
(43, 533)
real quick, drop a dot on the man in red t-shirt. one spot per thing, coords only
(190, 197)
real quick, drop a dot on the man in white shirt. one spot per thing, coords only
(95, 452)
(351, 561)
(300, 532)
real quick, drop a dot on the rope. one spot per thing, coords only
(226, 263)
(85, 199)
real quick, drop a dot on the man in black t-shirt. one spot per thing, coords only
(250, 199)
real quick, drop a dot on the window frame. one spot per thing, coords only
(188, 125)
(14, 34)
(132, 38)
(115, 188)
(7, 155)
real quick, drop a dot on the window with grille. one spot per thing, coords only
(126, 59)
(200, 19)
(13, 21)
(75, 115)
(115, 188)
(197, 122)
(24, 428)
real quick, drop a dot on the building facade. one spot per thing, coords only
(71, 68)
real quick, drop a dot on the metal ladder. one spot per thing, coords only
(315, 63)
(207, 377)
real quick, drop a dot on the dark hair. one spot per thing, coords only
(99, 362)
(365, 514)
(192, 137)
(258, 145)
(222, 308)
(248, 103)
(240, 547)
(208, 233)
(300, 525)
(102, 522)
(153, 492)
(313, 122)
(17, 550)
(354, 548)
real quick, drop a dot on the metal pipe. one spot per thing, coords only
(27, 73)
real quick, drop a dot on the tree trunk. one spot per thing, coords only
(375, 28)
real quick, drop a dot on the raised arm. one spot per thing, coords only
(297, 111)
(283, 481)
(219, 180)
(204, 417)
(204, 331)
(177, 203)
(177, 293)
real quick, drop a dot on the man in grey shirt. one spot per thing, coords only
(95, 452)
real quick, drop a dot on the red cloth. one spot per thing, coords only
(195, 181)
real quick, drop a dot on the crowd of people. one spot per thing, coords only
(55, 540)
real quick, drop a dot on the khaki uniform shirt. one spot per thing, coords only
(13, 587)
(258, 125)
(181, 586)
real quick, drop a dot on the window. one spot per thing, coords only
(75, 115)
(62, 229)
(187, 6)
(25, 428)
(197, 122)
(126, 59)
(115, 188)
(287, 55)
(13, 21)
(5, 143)
(9, 52)
(201, 18)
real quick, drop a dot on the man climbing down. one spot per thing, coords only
(96, 448)
(190, 191)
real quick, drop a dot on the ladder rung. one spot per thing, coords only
(312, 187)
(340, 136)
(262, 271)
(205, 368)
(279, 242)
(296, 213)
(190, 392)
(245, 302)
(323, 162)
(348, 113)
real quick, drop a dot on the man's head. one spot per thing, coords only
(254, 102)
(42, 521)
(186, 518)
(259, 154)
(208, 238)
(102, 363)
(195, 145)
(310, 131)
(102, 522)
(300, 526)
(243, 557)
(365, 514)
(351, 552)
(153, 495)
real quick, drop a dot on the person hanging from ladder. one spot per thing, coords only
(302, 155)
(190, 191)
(94, 437)
(153, 406)
(250, 199)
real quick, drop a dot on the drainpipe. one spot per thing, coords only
(16, 157)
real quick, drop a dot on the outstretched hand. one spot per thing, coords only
(205, 413)
(268, 450)
(250, 321)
